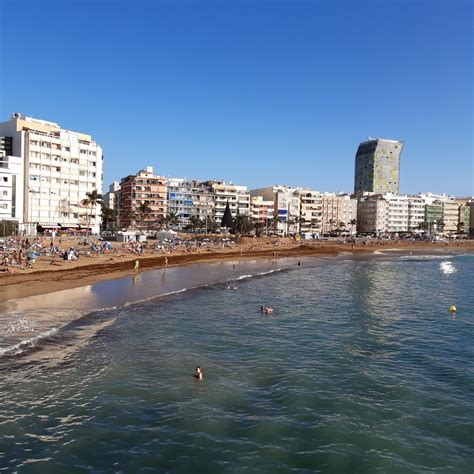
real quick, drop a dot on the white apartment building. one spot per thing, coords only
(398, 213)
(311, 210)
(203, 201)
(58, 168)
(286, 206)
(416, 212)
(110, 198)
(372, 214)
(11, 188)
(238, 198)
(338, 211)
(261, 210)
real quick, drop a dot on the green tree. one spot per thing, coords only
(422, 226)
(108, 217)
(258, 227)
(91, 200)
(143, 212)
(194, 223)
(127, 218)
(172, 219)
(242, 225)
(353, 223)
(227, 220)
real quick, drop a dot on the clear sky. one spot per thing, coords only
(256, 92)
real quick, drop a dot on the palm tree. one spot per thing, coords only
(353, 223)
(342, 226)
(275, 221)
(258, 225)
(242, 224)
(172, 219)
(127, 218)
(194, 223)
(440, 226)
(142, 212)
(108, 216)
(332, 222)
(423, 226)
(91, 200)
(460, 227)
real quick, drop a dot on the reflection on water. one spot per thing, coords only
(361, 368)
(25, 322)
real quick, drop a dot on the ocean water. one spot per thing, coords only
(361, 368)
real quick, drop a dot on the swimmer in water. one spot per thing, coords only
(198, 373)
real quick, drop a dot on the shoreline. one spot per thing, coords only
(22, 285)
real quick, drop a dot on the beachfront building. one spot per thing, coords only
(398, 213)
(377, 166)
(311, 210)
(450, 217)
(58, 168)
(286, 207)
(142, 188)
(180, 201)
(203, 203)
(471, 217)
(464, 219)
(261, 211)
(337, 212)
(434, 217)
(222, 193)
(372, 214)
(11, 187)
(110, 197)
(416, 213)
(441, 213)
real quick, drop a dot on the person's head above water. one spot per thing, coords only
(198, 373)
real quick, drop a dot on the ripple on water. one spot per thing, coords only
(360, 369)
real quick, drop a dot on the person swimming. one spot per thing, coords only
(198, 373)
(266, 309)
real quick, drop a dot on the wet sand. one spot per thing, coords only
(87, 271)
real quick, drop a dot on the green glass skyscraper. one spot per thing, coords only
(377, 166)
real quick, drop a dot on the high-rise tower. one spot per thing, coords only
(377, 166)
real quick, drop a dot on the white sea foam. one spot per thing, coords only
(74, 315)
(19, 348)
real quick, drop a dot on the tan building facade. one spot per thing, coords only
(59, 167)
(135, 190)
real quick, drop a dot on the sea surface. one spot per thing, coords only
(360, 369)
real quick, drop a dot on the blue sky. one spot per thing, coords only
(257, 92)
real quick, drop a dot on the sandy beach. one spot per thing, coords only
(52, 274)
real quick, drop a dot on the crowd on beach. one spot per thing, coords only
(25, 253)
